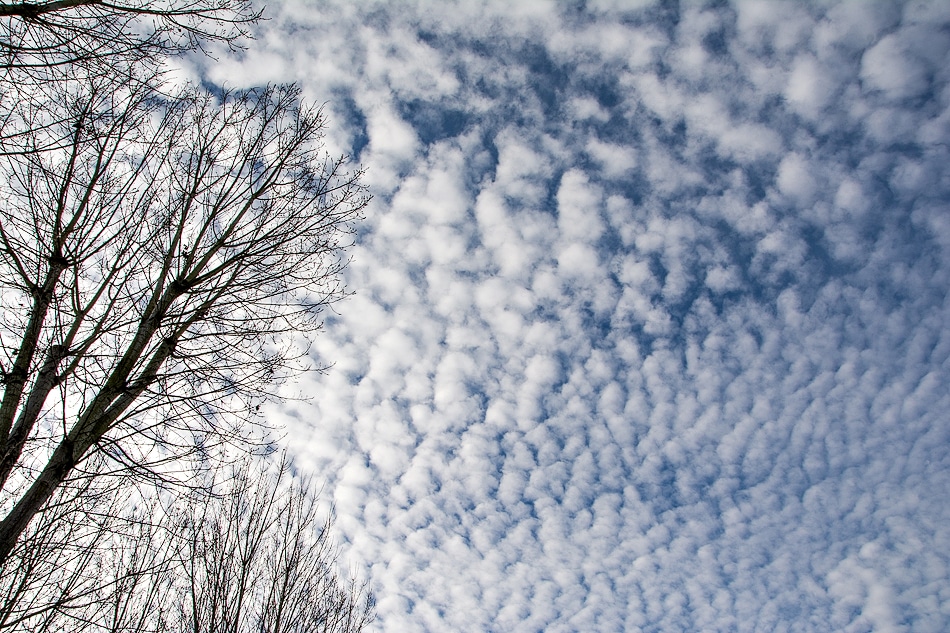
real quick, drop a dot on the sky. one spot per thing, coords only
(650, 327)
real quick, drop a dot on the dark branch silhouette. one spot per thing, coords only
(156, 270)
(246, 553)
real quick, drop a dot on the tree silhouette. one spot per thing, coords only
(249, 553)
(156, 269)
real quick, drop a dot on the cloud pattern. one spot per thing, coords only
(650, 325)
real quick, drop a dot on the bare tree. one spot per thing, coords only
(55, 568)
(260, 560)
(156, 271)
(97, 557)
(247, 554)
(159, 255)
(45, 42)
(45, 34)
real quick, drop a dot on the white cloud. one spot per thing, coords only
(856, 587)
(795, 179)
(890, 66)
(615, 161)
(749, 143)
(587, 108)
(391, 138)
(721, 279)
(408, 66)
(578, 208)
(783, 26)
(810, 88)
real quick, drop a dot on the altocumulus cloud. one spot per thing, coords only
(650, 331)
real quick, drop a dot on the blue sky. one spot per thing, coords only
(650, 325)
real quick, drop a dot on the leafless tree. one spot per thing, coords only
(261, 561)
(247, 554)
(55, 568)
(161, 255)
(45, 42)
(157, 271)
(45, 34)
